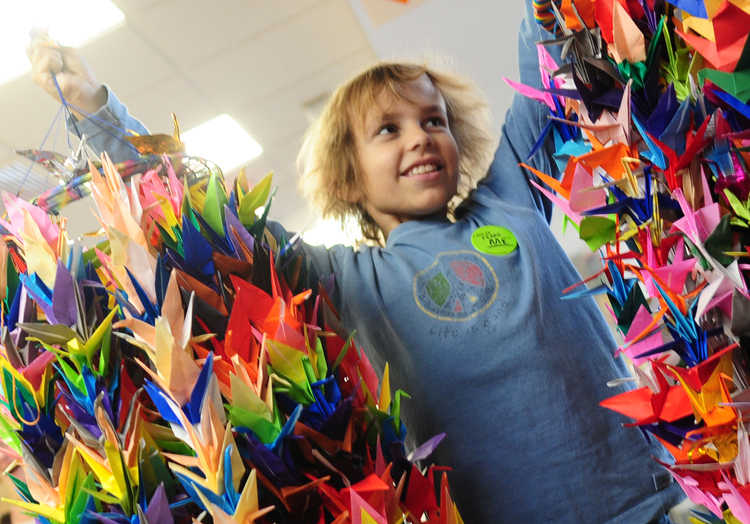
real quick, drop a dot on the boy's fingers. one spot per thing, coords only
(48, 62)
(44, 79)
(73, 62)
(69, 84)
(32, 48)
(46, 59)
(38, 46)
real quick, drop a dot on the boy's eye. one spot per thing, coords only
(386, 129)
(436, 121)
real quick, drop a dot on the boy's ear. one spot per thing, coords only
(352, 194)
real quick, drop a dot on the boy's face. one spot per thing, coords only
(408, 159)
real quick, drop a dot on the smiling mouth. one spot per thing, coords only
(422, 169)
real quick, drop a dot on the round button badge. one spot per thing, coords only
(494, 240)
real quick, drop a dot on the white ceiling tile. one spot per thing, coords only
(275, 117)
(125, 62)
(282, 56)
(280, 160)
(154, 104)
(189, 32)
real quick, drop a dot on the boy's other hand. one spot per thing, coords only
(76, 80)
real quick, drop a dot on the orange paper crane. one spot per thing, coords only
(705, 386)
(645, 406)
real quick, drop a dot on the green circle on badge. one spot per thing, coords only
(494, 240)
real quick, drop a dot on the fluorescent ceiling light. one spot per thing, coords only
(223, 141)
(70, 22)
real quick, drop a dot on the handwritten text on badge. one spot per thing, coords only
(494, 240)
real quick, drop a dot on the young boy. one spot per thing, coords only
(467, 311)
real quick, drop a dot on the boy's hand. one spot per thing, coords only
(77, 82)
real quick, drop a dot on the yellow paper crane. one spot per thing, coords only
(160, 143)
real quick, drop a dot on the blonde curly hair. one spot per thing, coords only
(328, 158)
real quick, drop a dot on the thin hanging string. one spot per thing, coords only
(55, 138)
(41, 146)
(67, 113)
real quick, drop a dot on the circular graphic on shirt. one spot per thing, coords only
(457, 286)
(494, 240)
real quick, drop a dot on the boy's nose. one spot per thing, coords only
(420, 138)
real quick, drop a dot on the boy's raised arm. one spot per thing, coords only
(524, 122)
(99, 114)
(102, 114)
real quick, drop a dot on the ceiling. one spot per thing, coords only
(261, 61)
